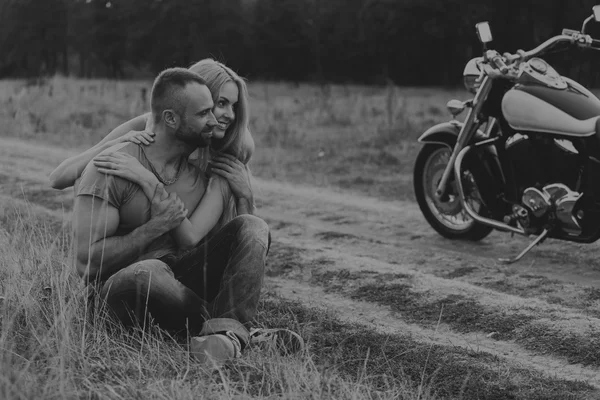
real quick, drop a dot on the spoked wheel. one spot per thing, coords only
(446, 215)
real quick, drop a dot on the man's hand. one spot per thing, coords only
(167, 209)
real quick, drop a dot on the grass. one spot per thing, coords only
(51, 348)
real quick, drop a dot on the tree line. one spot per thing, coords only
(407, 42)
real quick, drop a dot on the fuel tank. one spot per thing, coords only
(569, 111)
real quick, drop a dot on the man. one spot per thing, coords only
(123, 242)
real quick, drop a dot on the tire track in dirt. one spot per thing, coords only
(384, 320)
(395, 226)
(387, 238)
(529, 326)
(524, 281)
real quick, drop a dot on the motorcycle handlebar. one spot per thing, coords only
(500, 64)
(523, 55)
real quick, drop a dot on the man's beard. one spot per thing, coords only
(191, 137)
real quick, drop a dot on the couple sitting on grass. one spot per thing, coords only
(163, 236)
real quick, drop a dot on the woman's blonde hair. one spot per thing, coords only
(238, 140)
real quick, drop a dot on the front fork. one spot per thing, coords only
(465, 135)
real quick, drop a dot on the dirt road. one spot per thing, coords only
(379, 264)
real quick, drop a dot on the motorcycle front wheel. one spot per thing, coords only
(447, 215)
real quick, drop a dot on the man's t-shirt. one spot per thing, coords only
(132, 203)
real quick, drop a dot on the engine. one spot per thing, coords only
(538, 160)
(547, 172)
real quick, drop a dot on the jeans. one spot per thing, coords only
(212, 288)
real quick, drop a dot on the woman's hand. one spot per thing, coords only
(236, 174)
(125, 166)
(138, 137)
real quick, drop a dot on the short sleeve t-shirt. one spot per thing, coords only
(132, 203)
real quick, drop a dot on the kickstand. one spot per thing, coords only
(535, 242)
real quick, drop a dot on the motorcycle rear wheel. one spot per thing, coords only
(447, 217)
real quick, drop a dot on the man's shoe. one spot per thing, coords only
(216, 349)
(286, 341)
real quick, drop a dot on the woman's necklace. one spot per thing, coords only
(165, 182)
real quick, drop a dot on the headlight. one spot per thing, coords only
(470, 75)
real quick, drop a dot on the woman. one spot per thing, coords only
(228, 156)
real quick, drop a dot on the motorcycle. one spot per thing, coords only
(526, 159)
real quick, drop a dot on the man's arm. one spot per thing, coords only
(99, 252)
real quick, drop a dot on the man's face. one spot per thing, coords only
(198, 121)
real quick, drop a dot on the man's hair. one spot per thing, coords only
(167, 91)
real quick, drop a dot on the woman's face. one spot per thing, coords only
(224, 110)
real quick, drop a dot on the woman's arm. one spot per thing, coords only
(69, 170)
(128, 167)
(193, 228)
(204, 218)
(245, 206)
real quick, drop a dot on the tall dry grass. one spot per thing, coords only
(51, 348)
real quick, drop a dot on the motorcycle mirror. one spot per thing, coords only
(484, 32)
(595, 16)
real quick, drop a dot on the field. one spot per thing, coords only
(389, 309)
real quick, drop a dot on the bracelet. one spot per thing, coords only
(248, 203)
